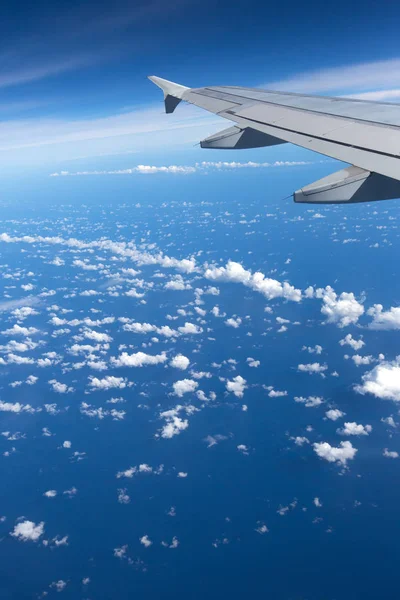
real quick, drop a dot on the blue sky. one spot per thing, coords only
(73, 78)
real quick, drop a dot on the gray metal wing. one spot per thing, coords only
(361, 133)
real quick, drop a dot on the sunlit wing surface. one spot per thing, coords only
(361, 133)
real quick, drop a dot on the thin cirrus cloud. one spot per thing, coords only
(366, 80)
(37, 72)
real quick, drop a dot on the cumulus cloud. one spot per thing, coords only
(383, 381)
(174, 424)
(139, 359)
(269, 288)
(16, 407)
(180, 362)
(334, 414)
(60, 388)
(232, 322)
(341, 454)
(107, 383)
(146, 541)
(22, 331)
(350, 341)
(390, 453)
(237, 386)
(362, 360)
(312, 368)
(389, 319)
(26, 531)
(190, 329)
(252, 362)
(343, 310)
(310, 402)
(184, 386)
(354, 429)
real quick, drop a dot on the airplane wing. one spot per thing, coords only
(364, 134)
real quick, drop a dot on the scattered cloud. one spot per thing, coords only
(341, 454)
(26, 531)
(382, 382)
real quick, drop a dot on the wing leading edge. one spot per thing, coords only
(364, 134)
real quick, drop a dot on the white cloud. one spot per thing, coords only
(275, 393)
(184, 170)
(28, 531)
(362, 360)
(300, 440)
(334, 414)
(232, 322)
(174, 543)
(174, 423)
(139, 359)
(123, 497)
(343, 310)
(142, 468)
(350, 341)
(354, 429)
(18, 330)
(310, 402)
(184, 386)
(60, 388)
(50, 494)
(262, 528)
(389, 319)
(180, 362)
(190, 329)
(107, 383)
(313, 349)
(146, 541)
(100, 413)
(390, 454)
(237, 386)
(177, 284)
(16, 407)
(67, 444)
(383, 381)
(312, 368)
(252, 362)
(270, 288)
(24, 312)
(317, 502)
(59, 585)
(341, 454)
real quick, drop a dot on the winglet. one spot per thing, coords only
(173, 92)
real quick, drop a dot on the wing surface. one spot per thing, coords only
(362, 133)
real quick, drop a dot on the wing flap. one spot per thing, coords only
(350, 185)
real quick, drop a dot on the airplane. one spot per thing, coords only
(364, 134)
